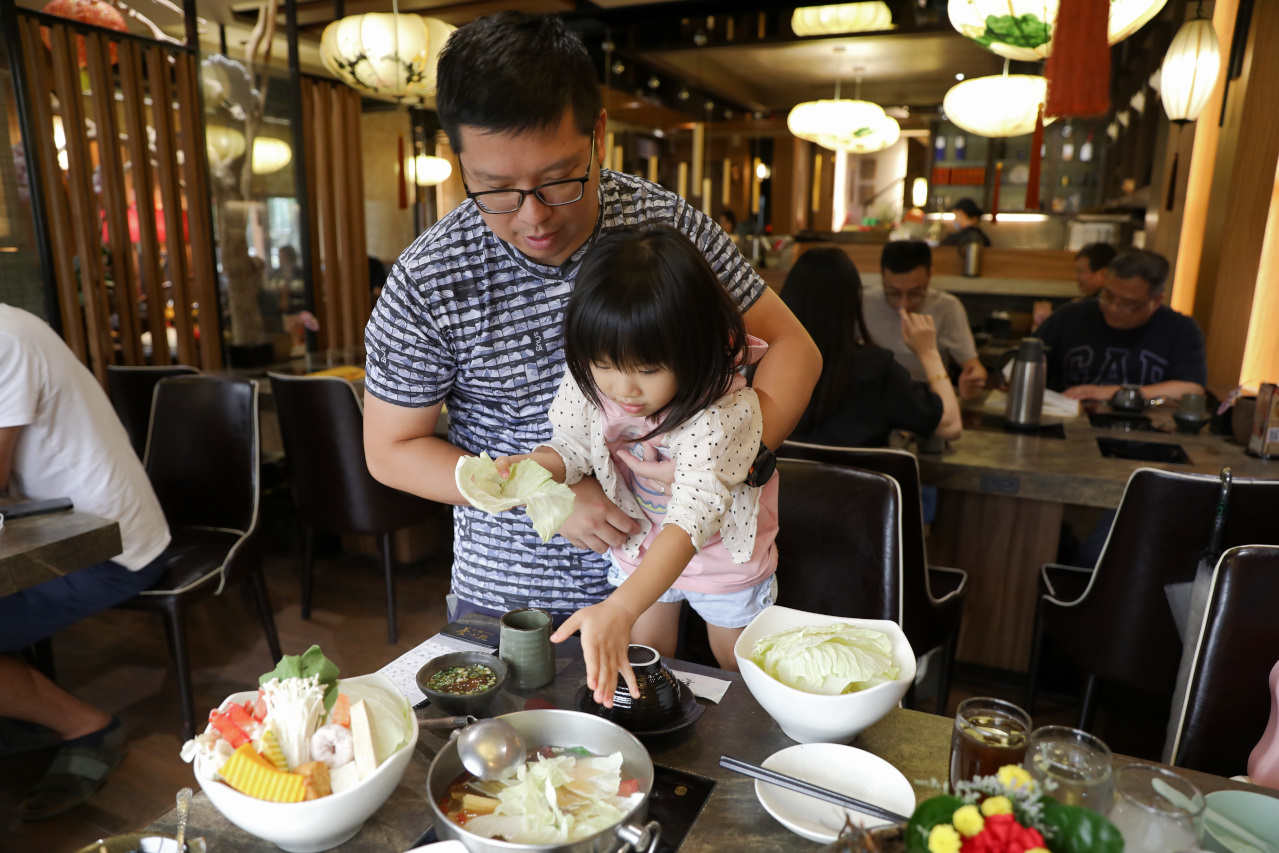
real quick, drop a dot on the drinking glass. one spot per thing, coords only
(1155, 810)
(1076, 761)
(989, 733)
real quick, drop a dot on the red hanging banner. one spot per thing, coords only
(1036, 147)
(1078, 70)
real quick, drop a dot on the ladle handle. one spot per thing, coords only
(436, 723)
(639, 838)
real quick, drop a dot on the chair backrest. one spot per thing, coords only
(1227, 705)
(839, 541)
(322, 426)
(903, 467)
(202, 452)
(132, 390)
(1122, 626)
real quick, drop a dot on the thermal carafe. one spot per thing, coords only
(1026, 386)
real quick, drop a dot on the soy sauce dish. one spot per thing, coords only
(463, 683)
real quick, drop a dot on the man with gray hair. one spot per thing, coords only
(1126, 336)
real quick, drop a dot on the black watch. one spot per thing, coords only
(761, 470)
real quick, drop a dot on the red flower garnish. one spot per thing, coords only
(1003, 834)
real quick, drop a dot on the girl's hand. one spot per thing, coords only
(504, 463)
(919, 332)
(606, 639)
(547, 458)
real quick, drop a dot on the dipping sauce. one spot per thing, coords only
(463, 680)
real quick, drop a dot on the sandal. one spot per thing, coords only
(74, 776)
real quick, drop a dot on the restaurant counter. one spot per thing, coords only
(915, 743)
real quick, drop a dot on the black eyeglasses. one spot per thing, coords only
(552, 194)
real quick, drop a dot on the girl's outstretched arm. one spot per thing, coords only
(606, 627)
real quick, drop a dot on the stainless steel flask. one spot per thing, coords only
(1026, 387)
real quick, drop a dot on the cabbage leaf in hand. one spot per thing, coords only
(548, 503)
(827, 659)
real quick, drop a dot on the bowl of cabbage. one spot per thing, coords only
(599, 773)
(824, 679)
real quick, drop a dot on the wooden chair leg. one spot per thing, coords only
(392, 634)
(308, 558)
(1036, 651)
(944, 668)
(258, 585)
(1088, 710)
(175, 631)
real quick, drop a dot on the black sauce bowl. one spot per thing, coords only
(658, 702)
(462, 704)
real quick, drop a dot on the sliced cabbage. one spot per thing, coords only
(557, 800)
(548, 503)
(827, 659)
(388, 711)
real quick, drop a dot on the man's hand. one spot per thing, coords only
(1091, 392)
(919, 332)
(606, 638)
(596, 523)
(972, 380)
(544, 456)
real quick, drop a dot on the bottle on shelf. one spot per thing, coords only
(1085, 150)
(961, 146)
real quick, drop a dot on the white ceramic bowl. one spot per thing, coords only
(811, 717)
(315, 825)
(1255, 813)
(844, 769)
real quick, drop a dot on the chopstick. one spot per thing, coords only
(790, 783)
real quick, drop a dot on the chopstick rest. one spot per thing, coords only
(799, 786)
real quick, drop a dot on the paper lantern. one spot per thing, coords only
(1002, 105)
(223, 144)
(1022, 29)
(1190, 70)
(427, 171)
(95, 12)
(884, 133)
(865, 17)
(270, 155)
(919, 192)
(836, 124)
(385, 53)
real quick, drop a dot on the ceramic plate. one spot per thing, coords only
(689, 710)
(845, 769)
(1257, 814)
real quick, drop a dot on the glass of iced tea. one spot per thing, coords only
(989, 733)
(1076, 762)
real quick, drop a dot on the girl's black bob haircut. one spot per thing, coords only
(647, 298)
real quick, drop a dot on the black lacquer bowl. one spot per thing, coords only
(658, 702)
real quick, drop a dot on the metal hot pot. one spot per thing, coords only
(566, 729)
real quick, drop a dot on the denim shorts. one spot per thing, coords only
(721, 609)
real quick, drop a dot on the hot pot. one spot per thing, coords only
(566, 729)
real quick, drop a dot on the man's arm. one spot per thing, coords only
(403, 452)
(8, 440)
(1171, 388)
(972, 379)
(785, 377)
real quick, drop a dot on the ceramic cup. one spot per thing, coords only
(524, 644)
(1195, 403)
(658, 701)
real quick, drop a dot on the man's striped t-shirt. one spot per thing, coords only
(467, 319)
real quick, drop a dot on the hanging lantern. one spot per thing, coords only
(223, 144)
(385, 53)
(919, 192)
(1002, 105)
(884, 133)
(1023, 29)
(1190, 70)
(867, 17)
(270, 155)
(95, 12)
(427, 171)
(836, 124)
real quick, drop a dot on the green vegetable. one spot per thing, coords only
(827, 659)
(1018, 31)
(1079, 830)
(548, 503)
(927, 815)
(311, 662)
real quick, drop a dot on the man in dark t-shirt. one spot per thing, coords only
(1126, 336)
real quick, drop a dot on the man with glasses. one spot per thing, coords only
(906, 267)
(1126, 336)
(471, 314)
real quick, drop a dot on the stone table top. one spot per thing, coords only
(918, 744)
(42, 547)
(988, 459)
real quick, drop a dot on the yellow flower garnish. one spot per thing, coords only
(992, 806)
(1037, 850)
(1015, 776)
(968, 820)
(944, 839)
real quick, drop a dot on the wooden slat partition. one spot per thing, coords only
(342, 202)
(324, 214)
(157, 64)
(39, 73)
(310, 148)
(115, 200)
(135, 120)
(66, 76)
(359, 268)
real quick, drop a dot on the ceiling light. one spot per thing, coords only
(427, 171)
(762, 171)
(270, 155)
(1002, 105)
(385, 53)
(959, 76)
(842, 18)
(1022, 29)
(1190, 70)
(919, 192)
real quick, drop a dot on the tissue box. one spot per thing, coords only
(1264, 441)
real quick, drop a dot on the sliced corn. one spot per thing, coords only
(251, 774)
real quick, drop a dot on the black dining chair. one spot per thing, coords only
(322, 426)
(1226, 704)
(132, 390)
(202, 460)
(1113, 622)
(932, 596)
(839, 549)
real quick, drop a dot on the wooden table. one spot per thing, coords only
(42, 547)
(917, 744)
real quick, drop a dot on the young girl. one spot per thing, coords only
(654, 405)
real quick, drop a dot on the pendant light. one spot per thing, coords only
(865, 17)
(1002, 105)
(385, 54)
(844, 125)
(1190, 69)
(1023, 29)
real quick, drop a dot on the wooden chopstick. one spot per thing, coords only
(790, 783)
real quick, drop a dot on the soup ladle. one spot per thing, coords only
(488, 748)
